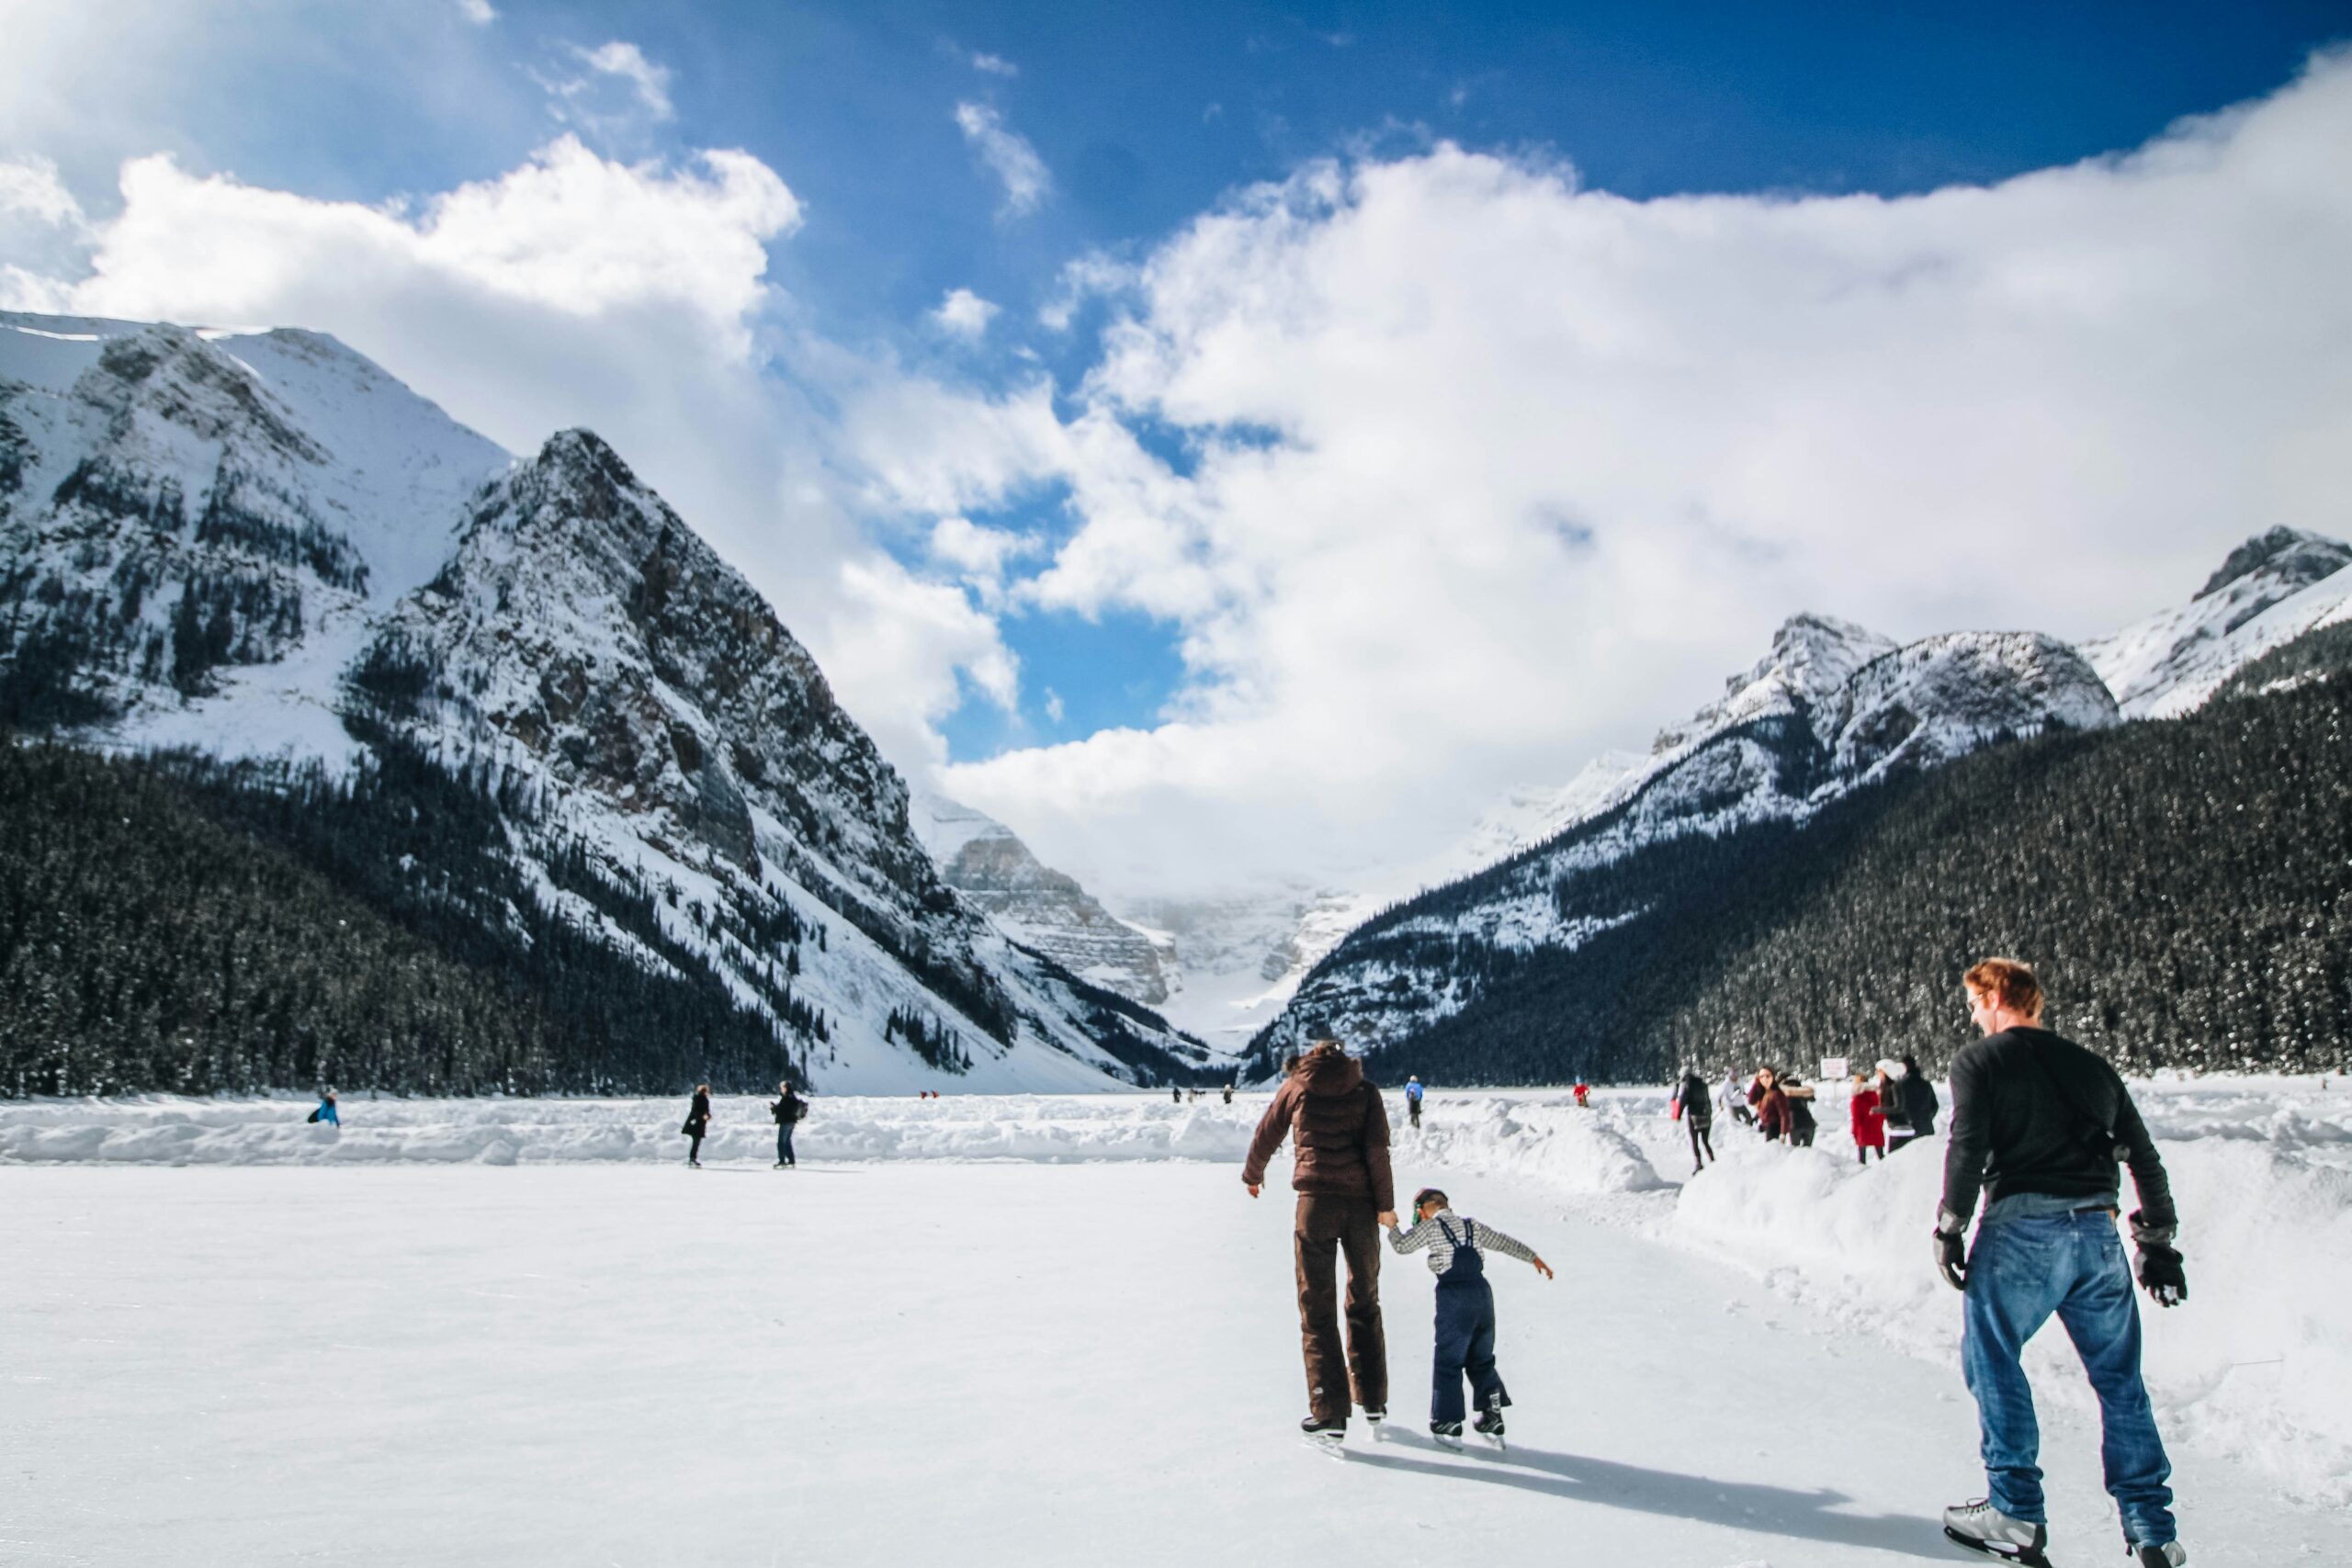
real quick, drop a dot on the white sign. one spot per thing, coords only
(1833, 1069)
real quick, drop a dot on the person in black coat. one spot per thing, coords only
(697, 1124)
(1920, 1099)
(789, 1109)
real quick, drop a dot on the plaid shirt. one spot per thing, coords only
(1442, 1231)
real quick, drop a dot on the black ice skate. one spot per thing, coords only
(1979, 1527)
(1379, 1420)
(1325, 1437)
(2171, 1554)
(1447, 1433)
(1489, 1424)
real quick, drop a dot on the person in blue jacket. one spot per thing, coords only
(326, 1112)
(1413, 1100)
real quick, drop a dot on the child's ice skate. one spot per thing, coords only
(1489, 1424)
(1325, 1437)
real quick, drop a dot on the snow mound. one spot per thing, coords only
(1551, 1142)
(2254, 1364)
(1053, 1129)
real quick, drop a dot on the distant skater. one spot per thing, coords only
(789, 1109)
(325, 1110)
(1466, 1311)
(1771, 1106)
(1229, 1094)
(697, 1124)
(1920, 1098)
(1801, 1125)
(1870, 1127)
(1583, 1089)
(1176, 1094)
(1340, 1132)
(1696, 1107)
(1413, 1100)
(1734, 1099)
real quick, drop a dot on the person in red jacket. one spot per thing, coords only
(1772, 1117)
(1583, 1089)
(1870, 1127)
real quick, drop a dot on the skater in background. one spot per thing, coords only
(1583, 1089)
(1176, 1094)
(1413, 1100)
(1801, 1125)
(1771, 1106)
(1338, 1130)
(1920, 1098)
(1734, 1099)
(1229, 1094)
(1870, 1127)
(325, 1110)
(2038, 1124)
(1697, 1111)
(789, 1109)
(1466, 1311)
(697, 1124)
(1891, 1105)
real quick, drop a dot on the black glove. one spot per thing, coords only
(2160, 1271)
(1951, 1249)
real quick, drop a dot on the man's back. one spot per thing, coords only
(2028, 1109)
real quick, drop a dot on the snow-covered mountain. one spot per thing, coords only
(2270, 590)
(261, 543)
(1832, 707)
(1036, 906)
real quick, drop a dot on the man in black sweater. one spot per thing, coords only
(2039, 1124)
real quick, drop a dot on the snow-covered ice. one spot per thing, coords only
(1053, 1329)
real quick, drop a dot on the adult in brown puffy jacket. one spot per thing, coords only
(1338, 1130)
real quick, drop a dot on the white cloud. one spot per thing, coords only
(42, 229)
(979, 555)
(479, 12)
(1091, 276)
(1493, 472)
(964, 313)
(625, 60)
(995, 65)
(1053, 709)
(1008, 155)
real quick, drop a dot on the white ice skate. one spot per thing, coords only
(1979, 1527)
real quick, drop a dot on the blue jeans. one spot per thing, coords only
(784, 1143)
(2020, 1271)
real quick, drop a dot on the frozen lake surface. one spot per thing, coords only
(1019, 1362)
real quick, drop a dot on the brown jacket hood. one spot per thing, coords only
(1327, 1073)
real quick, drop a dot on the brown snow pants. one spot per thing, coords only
(1326, 1220)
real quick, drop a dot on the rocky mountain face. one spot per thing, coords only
(1038, 907)
(1832, 708)
(2271, 589)
(261, 544)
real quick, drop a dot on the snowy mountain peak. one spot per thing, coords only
(1944, 696)
(2286, 554)
(1812, 658)
(1036, 906)
(2268, 592)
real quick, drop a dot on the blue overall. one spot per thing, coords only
(1465, 1332)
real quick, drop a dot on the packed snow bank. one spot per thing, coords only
(1540, 1139)
(1568, 1150)
(168, 1130)
(2254, 1364)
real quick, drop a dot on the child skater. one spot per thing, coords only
(1465, 1312)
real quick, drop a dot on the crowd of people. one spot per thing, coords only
(1887, 1108)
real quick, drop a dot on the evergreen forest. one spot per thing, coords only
(2183, 887)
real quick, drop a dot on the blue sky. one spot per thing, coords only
(1133, 123)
